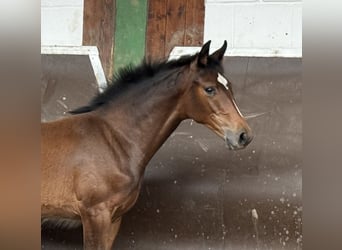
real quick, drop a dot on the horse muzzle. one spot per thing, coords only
(237, 139)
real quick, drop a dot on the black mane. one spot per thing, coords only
(132, 75)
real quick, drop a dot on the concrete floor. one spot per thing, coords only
(196, 193)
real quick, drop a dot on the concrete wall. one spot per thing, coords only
(255, 27)
(251, 27)
(62, 22)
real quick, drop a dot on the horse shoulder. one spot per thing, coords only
(101, 169)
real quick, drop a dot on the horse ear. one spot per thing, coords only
(203, 55)
(218, 54)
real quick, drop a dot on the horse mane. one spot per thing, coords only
(132, 75)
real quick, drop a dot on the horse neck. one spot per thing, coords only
(145, 116)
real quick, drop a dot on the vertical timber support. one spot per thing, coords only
(98, 30)
(173, 23)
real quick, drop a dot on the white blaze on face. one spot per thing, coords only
(222, 80)
(237, 108)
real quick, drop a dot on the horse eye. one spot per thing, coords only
(210, 91)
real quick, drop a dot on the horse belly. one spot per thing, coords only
(59, 210)
(58, 199)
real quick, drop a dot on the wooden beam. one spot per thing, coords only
(156, 24)
(194, 23)
(98, 30)
(175, 24)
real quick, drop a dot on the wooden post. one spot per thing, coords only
(98, 30)
(173, 23)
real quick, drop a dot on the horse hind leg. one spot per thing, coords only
(99, 231)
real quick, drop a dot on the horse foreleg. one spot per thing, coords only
(99, 231)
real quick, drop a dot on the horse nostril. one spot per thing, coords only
(243, 138)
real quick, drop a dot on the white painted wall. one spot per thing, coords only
(61, 22)
(255, 27)
(251, 27)
(62, 33)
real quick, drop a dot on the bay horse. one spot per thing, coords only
(93, 161)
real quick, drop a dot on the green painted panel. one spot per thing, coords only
(130, 31)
